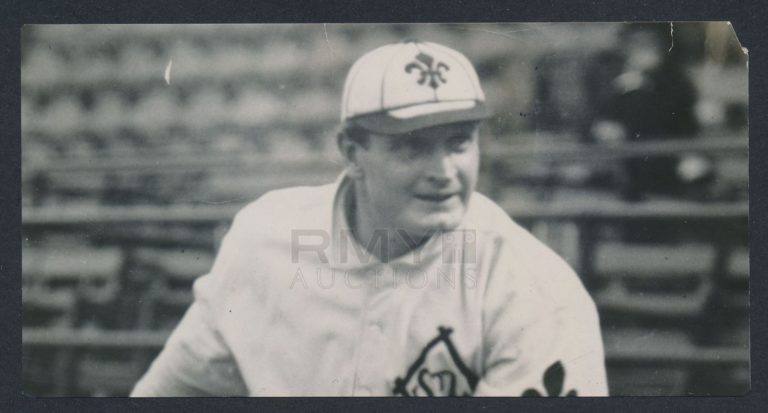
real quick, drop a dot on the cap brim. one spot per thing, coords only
(386, 123)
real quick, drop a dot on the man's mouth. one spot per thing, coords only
(434, 197)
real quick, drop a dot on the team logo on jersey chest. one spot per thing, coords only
(451, 379)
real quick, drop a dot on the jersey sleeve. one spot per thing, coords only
(196, 360)
(541, 332)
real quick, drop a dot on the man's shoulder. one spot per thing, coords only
(491, 221)
(288, 206)
(531, 259)
(484, 214)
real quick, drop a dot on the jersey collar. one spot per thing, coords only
(347, 254)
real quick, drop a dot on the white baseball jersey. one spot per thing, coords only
(294, 306)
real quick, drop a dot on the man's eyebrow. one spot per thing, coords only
(407, 139)
(468, 132)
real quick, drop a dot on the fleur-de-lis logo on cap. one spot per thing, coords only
(428, 70)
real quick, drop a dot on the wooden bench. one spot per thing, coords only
(59, 279)
(169, 291)
(639, 362)
(661, 362)
(640, 278)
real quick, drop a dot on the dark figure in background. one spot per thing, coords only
(641, 92)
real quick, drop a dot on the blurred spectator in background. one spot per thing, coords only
(639, 91)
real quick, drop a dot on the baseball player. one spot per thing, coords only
(398, 278)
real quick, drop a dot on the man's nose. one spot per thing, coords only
(441, 168)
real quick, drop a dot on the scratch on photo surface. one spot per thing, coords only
(578, 357)
(502, 34)
(671, 36)
(227, 201)
(167, 74)
(325, 30)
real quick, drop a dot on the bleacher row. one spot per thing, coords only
(91, 90)
(128, 183)
(186, 179)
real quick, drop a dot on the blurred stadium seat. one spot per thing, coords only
(657, 280)
(61, 281)
(170, 275)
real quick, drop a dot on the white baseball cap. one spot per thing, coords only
(411, 85)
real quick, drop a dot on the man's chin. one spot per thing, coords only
(419, 225)
(444, 223)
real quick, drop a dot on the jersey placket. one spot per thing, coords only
(371, 358)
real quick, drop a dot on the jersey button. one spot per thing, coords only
(375, 329)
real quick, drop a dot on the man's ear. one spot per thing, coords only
(350, 152)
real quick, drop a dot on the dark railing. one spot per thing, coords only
(154, 340)
(604, 211)
(565, 150)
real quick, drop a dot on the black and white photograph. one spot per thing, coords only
(354, 210)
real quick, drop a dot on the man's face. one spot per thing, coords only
(420, 181)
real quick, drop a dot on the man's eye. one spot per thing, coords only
(411, 148)
(417, 148)
(459, 142)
